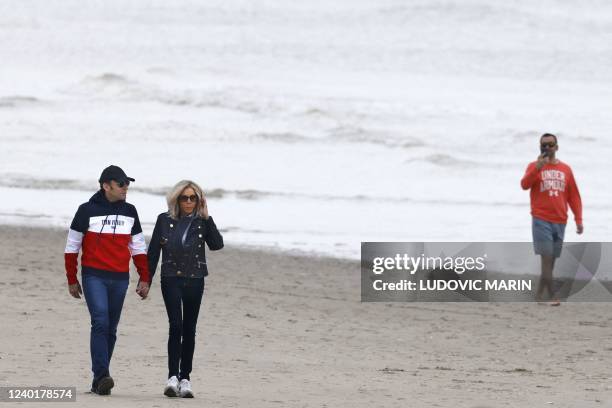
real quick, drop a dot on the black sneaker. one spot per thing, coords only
(103, 386)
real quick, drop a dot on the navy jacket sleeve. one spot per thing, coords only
(213, 236)
(80, 222)
(136, 228)
(154, 248)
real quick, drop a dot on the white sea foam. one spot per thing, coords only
(312, 126)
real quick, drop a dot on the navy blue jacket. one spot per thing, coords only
(182, 257)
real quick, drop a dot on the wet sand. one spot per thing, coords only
(278, 330)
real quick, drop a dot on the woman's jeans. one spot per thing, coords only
(182, 297)
(104, 297)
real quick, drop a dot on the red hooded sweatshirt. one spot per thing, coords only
(553, 187)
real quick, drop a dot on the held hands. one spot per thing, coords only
(75, 290)
(142, 289)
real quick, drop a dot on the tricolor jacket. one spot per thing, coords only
(109, 234)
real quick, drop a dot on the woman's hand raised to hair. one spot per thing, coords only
(204, 207)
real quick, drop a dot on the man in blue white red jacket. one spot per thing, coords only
(108, 232)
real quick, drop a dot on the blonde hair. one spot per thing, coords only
(174, 210)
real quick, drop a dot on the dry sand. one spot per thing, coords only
(278, 330)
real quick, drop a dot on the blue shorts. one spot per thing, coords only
(547, 237)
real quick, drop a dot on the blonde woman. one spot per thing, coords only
(180, 234)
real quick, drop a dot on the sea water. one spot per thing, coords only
(311, 126)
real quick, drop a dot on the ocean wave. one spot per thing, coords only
(43, 184)
(16, 101)
(535, 135)
(109, 77)
(108, 80)
(105, 85)
(19, 181)
(374, 136)
(15, 181)
(284, 137)
(477, 12)
(22, 181)
(523, 135)
(113, 85)
(585, 138)
(25, 215)
(355, 135)
(446, 160)
(316, 112)
(160, 71)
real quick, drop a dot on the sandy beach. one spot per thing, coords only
(278, 330)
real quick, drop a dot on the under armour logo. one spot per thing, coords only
(553, 193)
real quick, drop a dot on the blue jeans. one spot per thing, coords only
(104, 297)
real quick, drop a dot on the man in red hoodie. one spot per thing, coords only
(553, 187)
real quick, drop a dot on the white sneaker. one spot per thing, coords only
(172, 387)
(185, 389)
